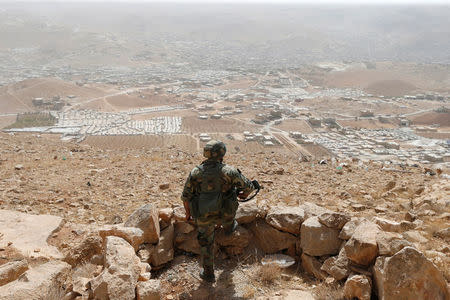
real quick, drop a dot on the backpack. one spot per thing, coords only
(209, 199)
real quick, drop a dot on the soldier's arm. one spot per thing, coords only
(188, 190)
(187, 195)
(242, 184)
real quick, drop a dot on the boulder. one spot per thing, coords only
(388, 225)
(410, 216)
(148, 290)
(166, 214)
(144, 252)
(163, 252)
(362, 247)
(334, 219)
(146, 276)
(390, 243)
(313, 210)
(358, 287)
(81, 286)
(91, 245)
(317, 239)
(164, 186)
(145, 218)
(134, 236)
(288, 219)
(179, 213)
(248, 212)
(408, 274)
(28, 234)
(337, 266)
(184, 227)
(443, 234)
(415, 236)
(42, 282)
(12, 270)
(239, 238)
(187, 242)
(349, 228)
(145, 269)
(120, 275)
(298, 247)
(269, 239)
(312, 266)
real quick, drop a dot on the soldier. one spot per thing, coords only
(210, 198)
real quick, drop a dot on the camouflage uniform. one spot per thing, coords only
(225, 181)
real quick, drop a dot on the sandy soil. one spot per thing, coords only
(368, 124)
(54, 170)
(225, 125)
(390, 88)
(295, 125)
(388, 77)
(443, 119)
(317, 151)
(17, 96)
(240, 84)
(142, 142)
(174, 113)
(5, 121)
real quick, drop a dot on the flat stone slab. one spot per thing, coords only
(41, 282)
(29, 233)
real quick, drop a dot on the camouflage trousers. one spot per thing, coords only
(206, 227)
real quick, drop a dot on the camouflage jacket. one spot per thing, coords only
(231, 179)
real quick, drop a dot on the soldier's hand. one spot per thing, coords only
(256, 184)
(242, 195)
(188, 211)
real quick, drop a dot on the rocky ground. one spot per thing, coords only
(89, 188)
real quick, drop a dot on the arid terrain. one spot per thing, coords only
(89, 185)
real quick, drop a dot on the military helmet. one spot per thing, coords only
(214, 150)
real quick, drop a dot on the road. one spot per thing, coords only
(131, 90)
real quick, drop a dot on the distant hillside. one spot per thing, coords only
(218, 35)
(18, 97)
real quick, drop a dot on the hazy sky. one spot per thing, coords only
(259, 1)
(309, 1)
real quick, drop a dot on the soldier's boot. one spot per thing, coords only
(207, 274)
(230, 229)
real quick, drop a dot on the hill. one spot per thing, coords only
(89, 188)
(17, 97)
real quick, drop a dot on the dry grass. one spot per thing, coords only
(267, 274)
(329, 292)
(249, 292)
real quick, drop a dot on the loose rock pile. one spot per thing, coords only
(370, 257)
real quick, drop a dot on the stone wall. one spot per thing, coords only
(370, 257)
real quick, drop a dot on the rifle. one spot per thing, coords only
(257, 186)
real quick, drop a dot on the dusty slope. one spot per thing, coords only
(90, 185)
(81, 182)
(17, 97)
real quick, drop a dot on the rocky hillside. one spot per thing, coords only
(78, 223)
